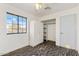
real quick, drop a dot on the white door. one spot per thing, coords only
(68, 31)
(51, 32)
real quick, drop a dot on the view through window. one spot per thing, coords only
(16, 24)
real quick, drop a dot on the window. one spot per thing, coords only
(16, 24)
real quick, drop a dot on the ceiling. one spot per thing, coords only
(54, 7)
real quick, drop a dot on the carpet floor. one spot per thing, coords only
(44, 49)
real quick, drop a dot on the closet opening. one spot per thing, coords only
(49, 30)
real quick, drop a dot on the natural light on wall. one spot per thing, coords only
(67, 46)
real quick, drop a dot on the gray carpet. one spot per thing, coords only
(44, 49)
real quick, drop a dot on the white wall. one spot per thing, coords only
(36, 33)
(51, 32)
(57, 16)
(11, 42)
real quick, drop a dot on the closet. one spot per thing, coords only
(49, 30)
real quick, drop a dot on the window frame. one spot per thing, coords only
(17, 23)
